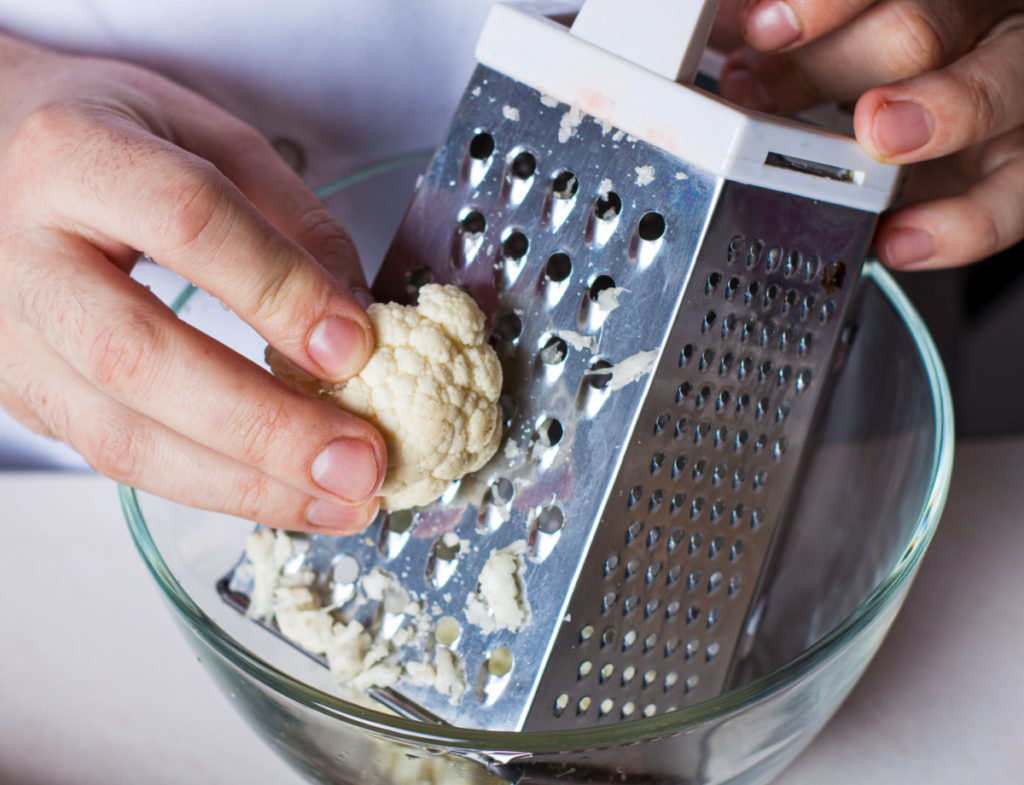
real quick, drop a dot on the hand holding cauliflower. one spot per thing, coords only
(431, 388)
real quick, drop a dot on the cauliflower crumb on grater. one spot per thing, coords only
(500, 599)
(644, 175)
(431, 388)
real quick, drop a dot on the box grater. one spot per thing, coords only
(666, 278)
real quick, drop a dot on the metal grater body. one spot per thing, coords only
(647, 510)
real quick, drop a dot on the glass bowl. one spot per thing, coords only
(876, 482)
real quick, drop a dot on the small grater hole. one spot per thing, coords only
(657, 462)
(607, 603)
(737, 514)
(678, 502)
(697, 507)
(558, 267)
(636, 493)
(595, 378)
(514, 246)
(692, 614)
(523, 165)
(735, 246)
(651, 226)
(607, 637)
(736, 551)
(712, 651)
(803, 380)
(561, 704)
(696, 541)
(672, 609)
(691, 683)
(628, 674)
(345, 571)
(399, 522)
(628, 708)
(686, 355)
(707, 358)
(584, 670)
(671, 679)
(508, 328)
(661, 423)
(678, 465)
(417, 279)
(650, 676)
(632, 567)
(565, 185)
(709, 321)
(650, 710)
(735, 584)
(555, 351)
(714, 582)
(712, 283)
(608, 206)
(650, 576)
(651, 642)
(473, 222)
(627, 643)
(607, 707)
(629, 605)
(692, 647)
(657, 498)
(811, 268)
(583, 705)
(779, 448)
(600, 284)
(607, 671)
(509, 407)
(501, 491)
(754, 254)
(774, 260)
(682, 426)
(481, 146)
(670, 646)
(653, 536)
(674, 574)
(586, 633)
(676, 537)
(757, 518)
(610, 565)
(792, 265)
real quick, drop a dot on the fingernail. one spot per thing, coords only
(901, 126)
(739, 85)
(363, 297)
(338, 346)
(348, 468)
(338, 518)
(771, 26)
(908, 247)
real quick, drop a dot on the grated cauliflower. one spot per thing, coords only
(431, 388)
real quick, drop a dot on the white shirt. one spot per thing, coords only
(343, 82)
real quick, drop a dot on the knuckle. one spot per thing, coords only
(43, 129)
(198, 210)
(986, 102)
(123, 355)
(921, 44)
(261, 430)
(112, 447)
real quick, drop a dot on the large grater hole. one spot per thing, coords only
(481, 146)
(345, 572)
(558, 267)
(441, 564)
(447, 631)
(600, 284)
(545, 532)
(549, 432)
(523, 165)
(607, 206)
(565, 185)
(472, 222)
(594, 376)
(554, 351)
(508, 328)
(395, 532)
(651, 226)
(514, 246)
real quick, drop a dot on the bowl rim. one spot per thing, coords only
(513, 744)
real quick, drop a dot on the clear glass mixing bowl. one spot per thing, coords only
(868, 507)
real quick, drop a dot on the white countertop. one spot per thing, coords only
(114, 696)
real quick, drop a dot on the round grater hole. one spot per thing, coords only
(745, 368)
(441, 563)
(806, 306)
(702, 396)
(683, 391)
(600, 284)
(774, 260)
(789, 301)
(742, 402)
(345, 571)
(707, 357)
(508, 328)
(632, 567)
(653, 536)
(472, 223)
(523, 165)
(660, 424)
(712, 651)
(594, 376)
(754, 254)
(721, 435)
(741, 440)
(728, 325)
(737, 515)
(554, 351)
(735, 584)
(782, 412)
(650, 676)
(736, 551)
(628, 708)
(715, 581)
(417, 279)
(628, 674)
(805, 344)
(657, 498)
(764, 370)
(701, 432)
(671, 645)
(671, 679)
(635, 495)
(586, 633)
(678, 465)
(785, 375)
(827, 310)
(561, 704)
(550, 520)
(785, 339)
(627, 643)
(728, 360)
(672, 609)
(738, 478)
(694, 578)
(764, 404)
(632, 532)
(749, 326)
(792, 266)
(650, 710)
(607, 206)
(714, 279)
(674, 574)
(730, 292)
(676, 538)
(608, 601)
(565, 185)
(610, 565)
(833, 276)
(757, 517)
(717, 475)
(716, 544)
(698, 469)
(558, 267)
(481, 146)
(515, 245)
(691, 683)
(607, 671)
(607, 707)
(779, 448)
(768, 333)
(771, 294)
(677, 503)
(607, 637)
(692, 614)
(691, 649)
(584, 670)
(550, 432)
(811, 268)
(501, 491)
(735, 248)
(751, 294)
(500, 662)
(651, 226)
(629, 604)
(686, 354)
(760, 479)
(709, 320)
(650, 643)
(761, 443)
(697, 507)
(650, 576)
(583, 705)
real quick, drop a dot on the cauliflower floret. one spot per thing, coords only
(431, 388)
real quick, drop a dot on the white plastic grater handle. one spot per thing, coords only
(667, 37)
(726, 141)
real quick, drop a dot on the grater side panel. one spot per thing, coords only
(671, 581)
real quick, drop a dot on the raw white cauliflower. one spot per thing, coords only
(431, 388)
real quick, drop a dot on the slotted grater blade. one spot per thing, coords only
(664, 332)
